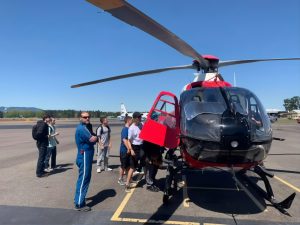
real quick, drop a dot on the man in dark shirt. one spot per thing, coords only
(42, 143)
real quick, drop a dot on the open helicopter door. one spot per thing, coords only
(162, 124)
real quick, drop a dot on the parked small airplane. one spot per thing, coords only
(125, 113)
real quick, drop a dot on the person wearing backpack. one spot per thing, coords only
(104, 145)
(40, 134)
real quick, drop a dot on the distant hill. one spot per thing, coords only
(10, 109)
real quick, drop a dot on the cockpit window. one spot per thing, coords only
(205, 101)
(193, 109)
(205, 112)
(247, 104)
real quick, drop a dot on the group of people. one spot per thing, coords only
(44, 132)
(136, 155)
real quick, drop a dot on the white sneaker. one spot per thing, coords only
(135, 173)
(108, 169)
(47, 170)
(121, 182)
(98, 170)
(127, 188)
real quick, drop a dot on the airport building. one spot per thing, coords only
(294, 114)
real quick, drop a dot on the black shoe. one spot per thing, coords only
(42, 175)
(83, 208)
(153, 188)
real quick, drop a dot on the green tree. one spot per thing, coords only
(291, 103)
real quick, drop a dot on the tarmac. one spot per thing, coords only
(203, 197)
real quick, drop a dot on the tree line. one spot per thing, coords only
(291, 104)
(55, 113)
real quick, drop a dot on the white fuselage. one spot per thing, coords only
(203, 77)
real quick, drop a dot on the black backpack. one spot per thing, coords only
(34, 132)
(101, 131)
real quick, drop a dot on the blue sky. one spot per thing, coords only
(46, 46)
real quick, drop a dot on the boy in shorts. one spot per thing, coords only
(125, 157)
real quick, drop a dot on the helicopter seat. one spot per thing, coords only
(237, 104)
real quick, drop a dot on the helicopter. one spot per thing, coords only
(213, 125)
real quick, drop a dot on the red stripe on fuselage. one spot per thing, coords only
(208, 84)
(197, 164)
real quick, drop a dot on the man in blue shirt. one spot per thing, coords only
(85, 151)
(125, 152)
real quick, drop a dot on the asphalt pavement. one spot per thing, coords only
(206, 197)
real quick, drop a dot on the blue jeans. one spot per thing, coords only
(51, 152)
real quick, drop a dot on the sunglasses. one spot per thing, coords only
(85, 117)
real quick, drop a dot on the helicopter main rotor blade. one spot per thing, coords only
(132, 16)
(235, 62)
(135, 74)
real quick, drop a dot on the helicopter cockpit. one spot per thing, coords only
(210, 108)
(225, 118)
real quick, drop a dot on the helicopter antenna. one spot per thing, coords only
(234, 81)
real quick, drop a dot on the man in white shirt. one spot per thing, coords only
(137, 143)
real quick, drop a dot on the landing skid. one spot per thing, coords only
(268, 193)
(174, 166)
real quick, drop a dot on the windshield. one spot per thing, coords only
(205, 112)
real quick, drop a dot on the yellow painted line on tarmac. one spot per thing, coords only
(116, 216)
(287, 183)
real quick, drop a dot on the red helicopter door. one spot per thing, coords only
(162, 124)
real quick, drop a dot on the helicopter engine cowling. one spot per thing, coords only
(225, 125)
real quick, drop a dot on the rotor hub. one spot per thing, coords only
(212, 61)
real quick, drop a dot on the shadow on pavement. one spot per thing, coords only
(64, 165)
(60, 168)
(101, 196)
(213, 191)
(218, 192)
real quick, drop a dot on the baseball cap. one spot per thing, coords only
(136, 115)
